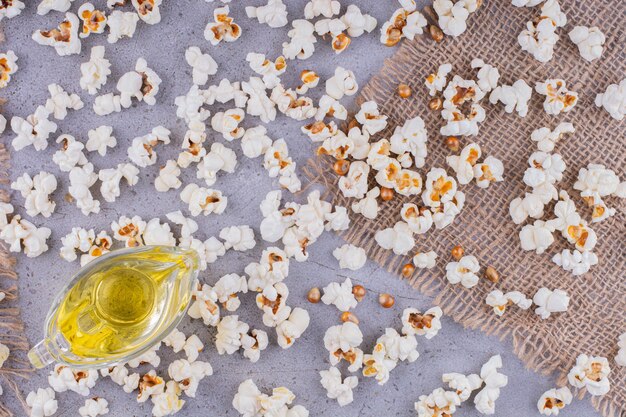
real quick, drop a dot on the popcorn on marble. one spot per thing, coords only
(438, 402)
(554, 400)
(258, 103)
(342, 343)
(20, 234)
(485, 400)
(350, 257)
(93, 20)
(253, 343)
(142, 150)
(64, 39)
(34, 130)
(8, 64)
(269, 70)
(403, 23)
(11, 9)
(340, 295)
(302, 40)
(343, 82)
(42, 402)
(94, 407)
(255, 142)
(427, 324)
(111, 178)
(45, 6)
(592, 373)
(94, 73)
(36, 191)
(288, 103)
(589, 41)
(81, 179)
(356, 22)
(63, 378)
(338, 388)
(188, 374)
(220, 158)
(249, 401)
(613, 100)
(202, 65)
(273, 14)
(558, 98)
(278, 163)
(540, 37)
(148, 10)
(500, 301)
(203, 200)
(121, 376)
(121, 24)
(222, 28)
(129, 231)
(549, 302)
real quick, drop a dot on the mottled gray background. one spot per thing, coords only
(453, 350)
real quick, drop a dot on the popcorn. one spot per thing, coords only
(302, 40)
(259, 103)
(94, 407)
(229, 331)
(37, 191)
(4, 352)
(63, 378)
(41, 402)
(558, 98)
(439, 188)
(223, 27)
(410, 137)
(255, 142)
(485, 400)
(399, 238)
(253, 343)
(544, 168)
(278, 163)
(226, 91)
(342, 83)
(462, 384)
(620, 358)
(536, 237)
(274, 13)
(402, 24)
(188, 225)
(141, 152)
(436, 82)
(439, 402)
(272, 301)
(463, 165)
(425, 260)
(34, 130)
(540, 37)
(167, 402)
(46, 6)
(589, 41)
(326, 8)
(453, 15)
(71, 153)
(356, 22)
(515, 97)
(416, 323)
(378, 364)
(368, 206)
(250, 402)
(203, 65)
(490, 170)
(149, 84)
(527, 3)
(458, 92)
(547, 139)
(11, 9)
(157, 233)
(78, 238)
(110, 178)
(598, 181)
(59, 102)
(399, 348)
(613, 100)
(340, 295)
(168, 177)
(240, 238)
(148, 10)
(5, 210)
(65, 39)
(8, 65)
(548, 302)
(592, 373)
(337, 220)
(464, 271)
(204, 305)
(227, 288)
(443, 216)
(107, 104)
(554, 400)
(150, 385)
(94, 21)
(121, 24)
(350, 257)
(336, 388)
(188, 375)
(81, 179)
(342, 342)
(270, 70)
(408, 183)
(129, 230)
(488, 75)
(100, 139)
(298, 108)
(288, 331)
(583, 237)
(499, 301)
(203, 200)
(220, 158)
(309, 80)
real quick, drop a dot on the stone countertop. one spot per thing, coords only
(453, 350)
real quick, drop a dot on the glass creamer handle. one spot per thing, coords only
(39, 356)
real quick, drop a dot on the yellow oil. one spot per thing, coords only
(118, 308)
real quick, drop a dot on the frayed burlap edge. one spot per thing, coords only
(11, 326)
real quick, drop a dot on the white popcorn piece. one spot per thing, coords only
(247, 399)
(222, 28)
(338, 220)
(544, 168)
(500, 301)
(426, 260)
(327, 107)
(343, 82)
(378, 365)
(81, 179)
(110, 178)
(558, 98)
(188, 374)
(255, 142)
(620, 358)
(598, 181)
(399, 238)
(34, 130)
(142, 150)
(60, 101)
(356, 22)
(537, 236)
(340, 295)
(420, 221)
(78, 239)
(204, 305)
(592, 373)
(149, 385)
(273, 14)
(93, 20)
(554, 400)
(521, 208)
(411, 137)
(515, 97)
(439, 188)
(540, 37)
(239, 238)
(70, 155)
(463, 165)
(453, 15)
(488, 171)
(11, 9)
(527, 3)
(5, 210)
(229, 331)
(457, 93)
(227, 123)
(310, 80)
(547, 139)
(8, 62)
(149, 85)
(269, 70)
(36, 191)
(613, 100)
(46, 6)
(121, 24)
(326, 8)
(416, 323)
(226, 91)
(63, 378)
(464, 271)
(148, 10)
(4, 352)
(548, 302)
(487, 76)
(42, 402)
(100, 139)
(94, 407)
(336, 388)
(129, 230)
(167, 402)
(302, 40)
(402, 24)
(107, 104)
(64, 39)
(203, 200)
(288, 103)
(589, 41)
(463, 385)
(101, 245)
(342, 342)
(291, 329)
(202, 65)
(188, 225)
(259, 104)
(485, 400)
(350, 257)
(189, 108)
(227, 288)
(368, 206)
(253, 343)
(220, 158)
(157, 233)
(438, 402)
(436, 82)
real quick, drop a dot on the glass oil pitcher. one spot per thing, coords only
(117, 307)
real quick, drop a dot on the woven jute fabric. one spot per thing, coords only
(597, 312)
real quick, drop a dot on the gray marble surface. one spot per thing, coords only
(453, 350)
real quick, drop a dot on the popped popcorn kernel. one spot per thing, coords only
(64, 39)
(223, 28)
(592, 373)
(553, 401)
(558, 98)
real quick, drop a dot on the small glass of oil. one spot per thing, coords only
(117, 307)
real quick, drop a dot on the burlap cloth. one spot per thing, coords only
(597, 312)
